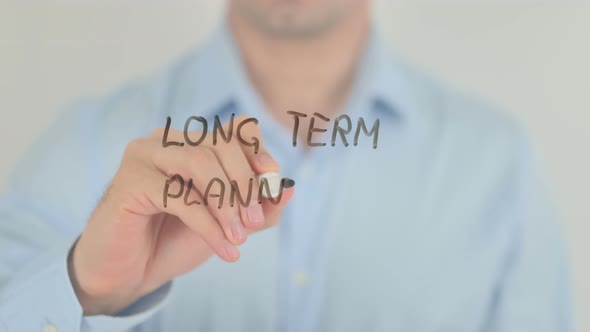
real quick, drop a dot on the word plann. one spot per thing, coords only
(216, 189)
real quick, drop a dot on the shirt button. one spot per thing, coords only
(301, 279)
(307, 170)
(50, 328)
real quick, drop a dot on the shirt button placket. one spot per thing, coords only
(50, 328)
(301, 279)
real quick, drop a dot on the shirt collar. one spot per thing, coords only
(219, 79)
(381, 80)
(214, 75)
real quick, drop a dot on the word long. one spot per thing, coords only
(341, 128)
(217, 130)
(216, 189)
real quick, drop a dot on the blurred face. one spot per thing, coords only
(295, 18)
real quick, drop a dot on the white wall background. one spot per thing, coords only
(533, 57)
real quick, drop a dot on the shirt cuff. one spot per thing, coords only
(40, 297)
(133, 315)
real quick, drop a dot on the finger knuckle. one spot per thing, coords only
(202, 156)
(134, 147)
(157, 133)
(273, 222)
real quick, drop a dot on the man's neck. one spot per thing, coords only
(307, 75)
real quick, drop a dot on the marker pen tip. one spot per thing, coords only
(288, 183)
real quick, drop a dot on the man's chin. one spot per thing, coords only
(297, 25)
(291, 21)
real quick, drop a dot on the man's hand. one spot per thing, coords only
(132, 244)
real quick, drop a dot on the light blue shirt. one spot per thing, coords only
(446, 226)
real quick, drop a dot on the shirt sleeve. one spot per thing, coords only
(534, 293)
(41, 295)
(44, 209)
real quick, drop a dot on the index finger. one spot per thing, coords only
(250, 138)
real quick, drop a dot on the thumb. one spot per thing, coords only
(272, 208)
